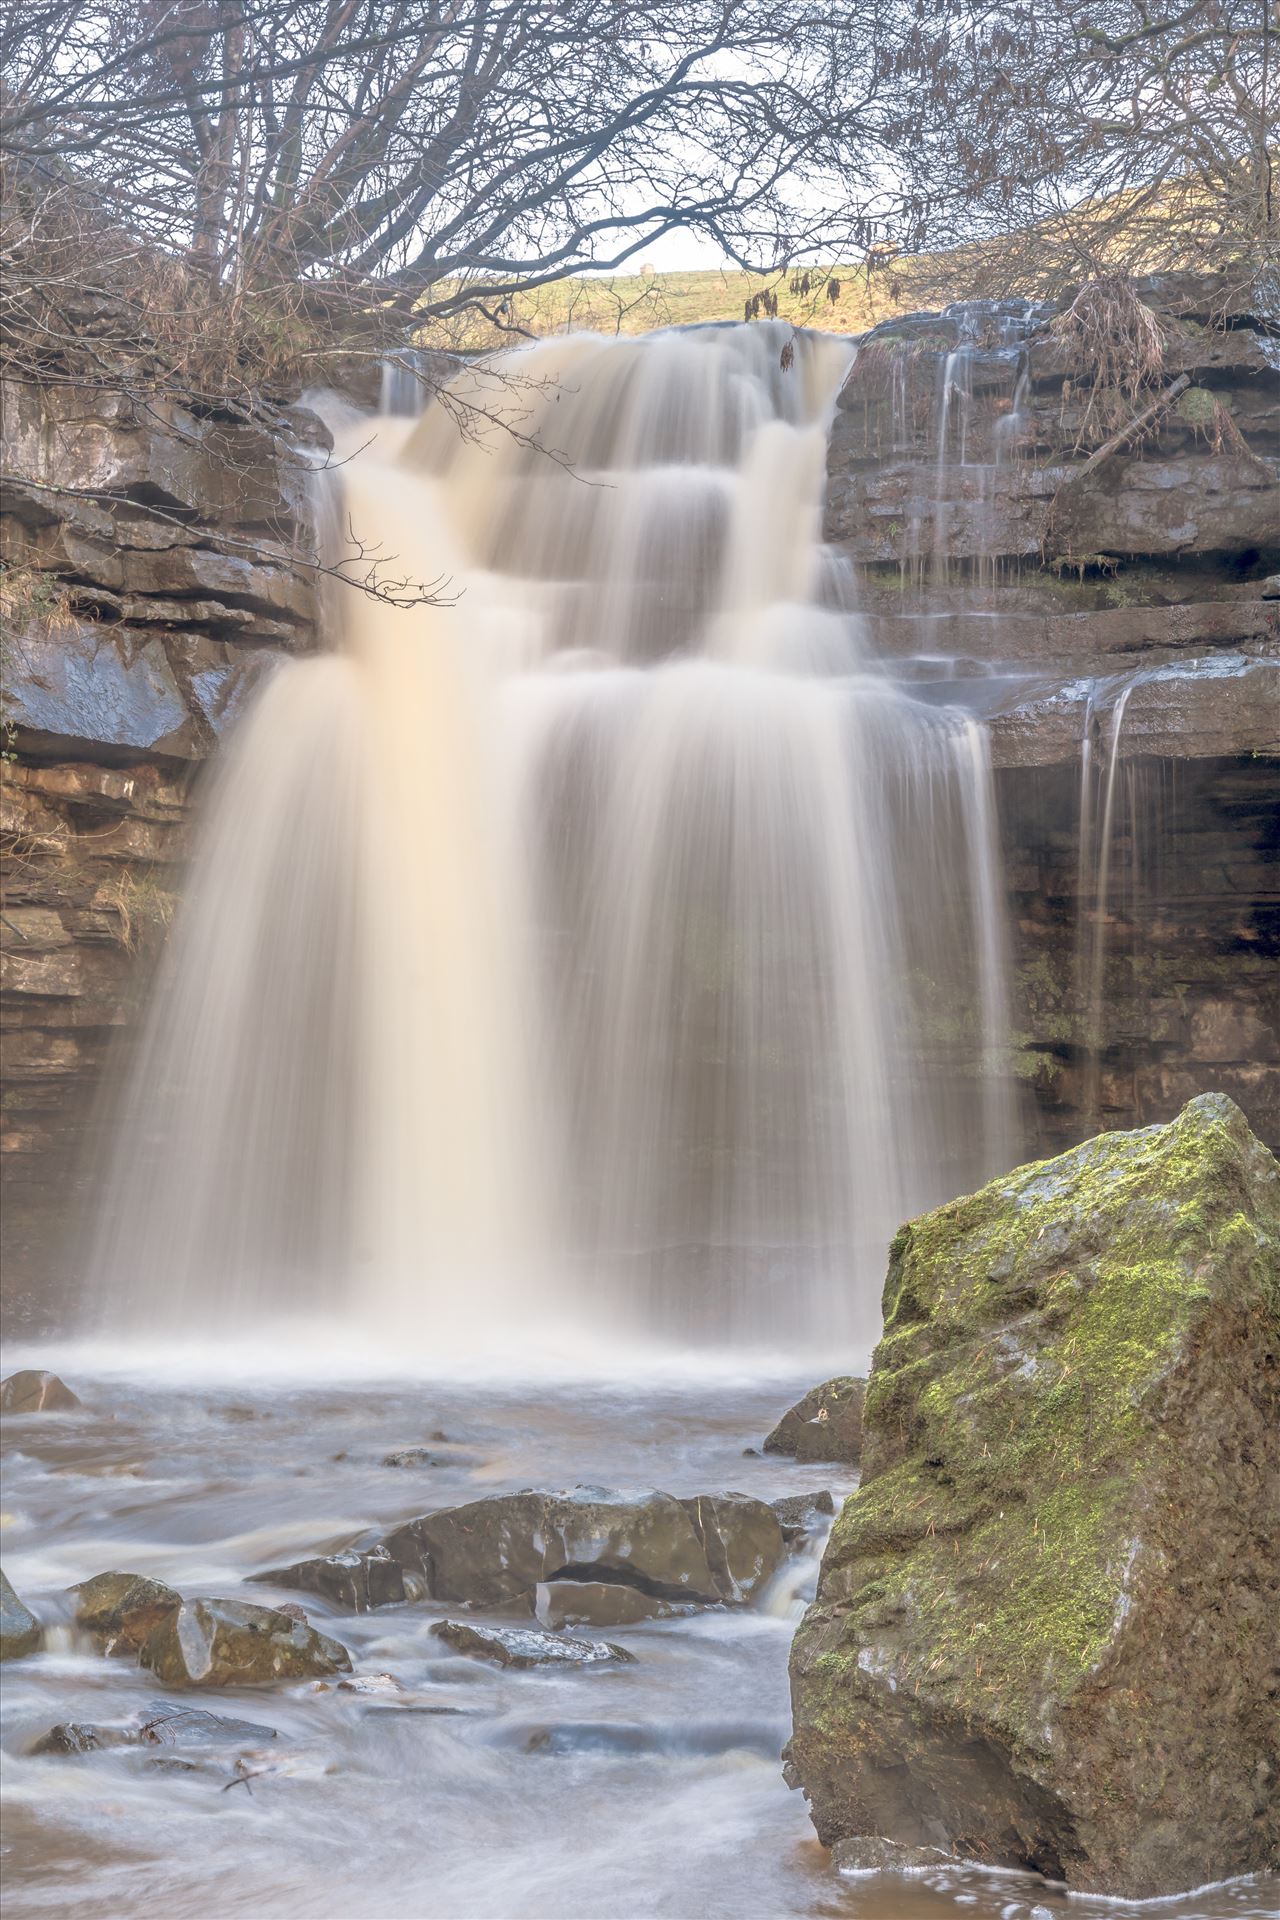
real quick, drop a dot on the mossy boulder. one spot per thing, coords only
(226, 1643)
(1045, 1628)
(825, 1426)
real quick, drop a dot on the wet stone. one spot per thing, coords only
(31, 1391)
(800, 1515)
(868, 1853)
(500, 1548)
(597, 1603)
(226, 1643)
(122, 1610)
(825, 1426)
(358, 1581)
(527, 1646)
(741, 1538)
(431, 1457)
(19, 1628)
(162, 1724)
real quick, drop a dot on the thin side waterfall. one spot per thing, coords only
(619, 947)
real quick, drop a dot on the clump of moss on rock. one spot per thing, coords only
(1044, 1633)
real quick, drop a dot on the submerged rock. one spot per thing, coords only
(359, 1581)
(503, 1547)
(597, 1603)
(31, 1391)
(741, 1538)
(121, 1610)
(226, 1643)
(1046, 1621)
(19, 1628)
(800, 1515)
(432, 1457)
(163, 1724)
(527, 1646)
(826, 1425)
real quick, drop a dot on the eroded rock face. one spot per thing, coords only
(527, 1646)
(826, 1425)
(122, 1610)
(19, 1628)
(360, 1581)
(502, 1547)
(1044, 1633)
(33, 1392)
(225, 1643)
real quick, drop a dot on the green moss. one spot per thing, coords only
(1016, 1400)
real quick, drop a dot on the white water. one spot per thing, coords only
(560, 957)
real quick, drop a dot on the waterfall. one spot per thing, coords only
(615, 944)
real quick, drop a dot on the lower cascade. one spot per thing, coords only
(558, 947)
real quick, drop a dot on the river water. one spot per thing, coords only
(471, 1793)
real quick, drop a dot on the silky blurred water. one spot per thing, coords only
(474, 1793)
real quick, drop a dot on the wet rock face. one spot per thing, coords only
(825, 1426)
(1044, 1633)
(527, 1646)
(742, 1539)
(122, 1610)
(358, 1581)
(34, 1392)
(800, 1515)
(225, 1643)
(19, 1628)
(596, 1603)
(501, 1548)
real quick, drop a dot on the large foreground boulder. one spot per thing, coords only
(1045, 1630)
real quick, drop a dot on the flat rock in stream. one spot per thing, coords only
(1045, 1631)
(527, 1646)
(226, 1643)
(19, 1629)
(825, 1426)
(501, 1548)
(31, 1391)
(357, 1581)
(122, 1610)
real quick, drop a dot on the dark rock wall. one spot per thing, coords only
(154, 569)
(993, 567)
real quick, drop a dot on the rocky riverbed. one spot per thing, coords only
(428, 1781)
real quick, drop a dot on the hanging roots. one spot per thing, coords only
(1121, 343)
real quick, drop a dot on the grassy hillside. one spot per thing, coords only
(638, 303)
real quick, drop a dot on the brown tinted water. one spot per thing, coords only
(475, 1794)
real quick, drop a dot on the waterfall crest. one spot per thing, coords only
(582, 941)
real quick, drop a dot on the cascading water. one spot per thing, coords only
(565, 955)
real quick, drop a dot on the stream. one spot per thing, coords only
(454, 1790)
